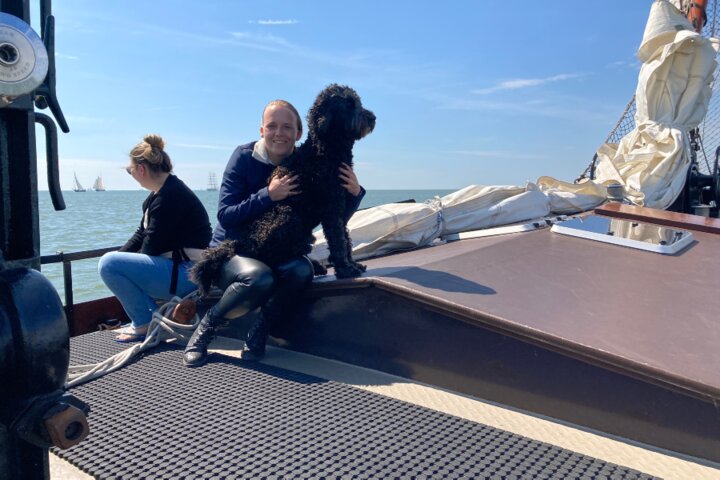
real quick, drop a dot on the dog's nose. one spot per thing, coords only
(370, 119)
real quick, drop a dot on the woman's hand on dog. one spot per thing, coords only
(282, 187)
(350, 181)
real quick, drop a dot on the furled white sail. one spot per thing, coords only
(672, 97)
(402, 226)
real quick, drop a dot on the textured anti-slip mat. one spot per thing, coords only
(157, 419)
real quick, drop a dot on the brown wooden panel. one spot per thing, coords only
(660, 217)
(87, 316)
(648, 315)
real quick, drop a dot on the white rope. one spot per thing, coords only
(161, 329)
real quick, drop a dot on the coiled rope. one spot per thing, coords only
(161, 329)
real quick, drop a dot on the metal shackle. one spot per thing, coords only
(66, 426)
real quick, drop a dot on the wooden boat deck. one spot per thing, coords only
(650, 315)
(600, 335)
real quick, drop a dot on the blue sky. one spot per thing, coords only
(465, 92)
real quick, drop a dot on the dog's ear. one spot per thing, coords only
(323, 123)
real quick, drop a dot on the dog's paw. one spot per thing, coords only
(318, 269)
(348, 271)
(359, 266)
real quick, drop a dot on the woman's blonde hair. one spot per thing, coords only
(286, 104)
(151, 152)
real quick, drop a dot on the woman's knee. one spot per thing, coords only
(246, 284)
(263, 283)
(248, 273)
(296, 274)
(108, 263)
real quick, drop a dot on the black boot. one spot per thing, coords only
(254, 348)
(196, 350)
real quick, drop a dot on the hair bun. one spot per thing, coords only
(155, 140)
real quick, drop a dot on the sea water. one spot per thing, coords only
(94, 220)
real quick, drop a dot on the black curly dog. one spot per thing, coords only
(336, 120)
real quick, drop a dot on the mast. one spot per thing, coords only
(212, 183)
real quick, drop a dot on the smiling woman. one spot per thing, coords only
(281, 128)
(245, 195)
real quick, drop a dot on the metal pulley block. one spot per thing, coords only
(23, 59)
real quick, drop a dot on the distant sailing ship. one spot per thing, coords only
(76, 185)
(212, 183)
(98, 186)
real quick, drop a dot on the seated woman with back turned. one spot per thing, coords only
(173, 232)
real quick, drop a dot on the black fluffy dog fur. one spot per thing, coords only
(336, 120)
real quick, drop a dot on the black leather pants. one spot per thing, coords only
(291, 279)
(248, 283)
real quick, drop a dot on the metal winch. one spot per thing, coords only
(36, 412)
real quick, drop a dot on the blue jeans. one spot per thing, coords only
(137, 280)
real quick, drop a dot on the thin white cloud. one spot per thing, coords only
(164, 109)
(472, 104)
(86, 120)
(365, 60)
(274, 22)
(621, 64)
(202, 146)
(252, 39)
(90, 164)
(269, 43)
(65, 56)
(519, 83)
(601, 113)
(497, 154)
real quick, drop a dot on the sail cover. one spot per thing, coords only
(651, 161)
(402, 226)
(672, 96)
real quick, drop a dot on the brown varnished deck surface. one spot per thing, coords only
(656, 317)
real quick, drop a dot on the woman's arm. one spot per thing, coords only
(164, 216)
(240, 198)
(355, 191)
(135, 242)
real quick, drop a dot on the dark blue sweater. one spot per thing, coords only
(244, 194)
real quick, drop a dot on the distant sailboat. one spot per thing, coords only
(98, 186)
(212, 183)
(76, 185)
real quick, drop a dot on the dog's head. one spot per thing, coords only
(338, 112)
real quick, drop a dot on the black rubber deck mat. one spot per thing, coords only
(156, 419)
